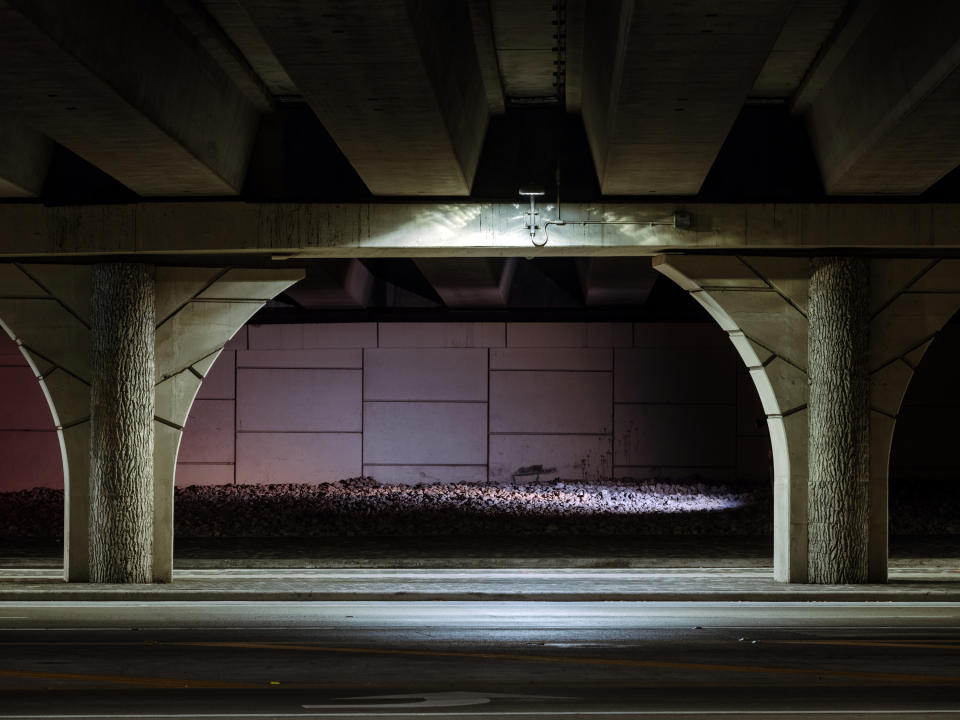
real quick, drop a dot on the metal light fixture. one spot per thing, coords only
(533, 193)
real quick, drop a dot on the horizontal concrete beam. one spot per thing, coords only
(663, 84)
(288, 231)
(396, 84)
(108, 80)
(468, 283)
(883, 108)
(24, 159)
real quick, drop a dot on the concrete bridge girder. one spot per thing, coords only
(434, 230)
(45, 309)
(761, 302)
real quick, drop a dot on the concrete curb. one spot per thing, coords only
(213, 596)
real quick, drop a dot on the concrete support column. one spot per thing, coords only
(123, 310)
(839, 415)
(87, 333)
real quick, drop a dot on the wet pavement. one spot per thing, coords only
(479, 660)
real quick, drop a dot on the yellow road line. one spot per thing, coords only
(127, 680)
(868, 643)
(613, 662)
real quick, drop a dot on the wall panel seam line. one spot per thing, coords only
(51, 296)
(675, 404)
(189, 300)
(904, 290)
(414, 465)
(36, 430)
(299, 432)
(489, 370)
(540, 433)
(296, 367)
(613, 405)
(552, 370)
(236, 405)
(363, 402)
(685, 467)
(428, 402)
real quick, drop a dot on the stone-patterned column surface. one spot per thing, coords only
(121, 423)
(839, 420)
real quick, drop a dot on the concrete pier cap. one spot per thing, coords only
(45, 309)
(762, 302)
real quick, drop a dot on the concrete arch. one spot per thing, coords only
(46, 310)
(761, 303)
(767, 325)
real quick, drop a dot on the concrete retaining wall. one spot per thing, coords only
(412, 402)
(467, 402)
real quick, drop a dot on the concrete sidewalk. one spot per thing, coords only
(483, 552)
(908, 584)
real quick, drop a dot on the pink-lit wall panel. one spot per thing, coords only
(306, 337)
(413, 474)
(22, 403)
(300, 392)
(339, 335)
(550, 402)
(204, 474)
(712, 473)
(421, 433)
(547, 335)
(551, 359)
(584, 457)
(668, 375)
(9, 352)
(329, 358)
(30, 459)
(239, 341)
(425, 374)
(299, 400)
(606, 335)
(675, 435)
(450, 335)
(219, 382)
(679, 335)
(208, 436)
(309, 458)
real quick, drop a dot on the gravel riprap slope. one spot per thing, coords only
(361, 506)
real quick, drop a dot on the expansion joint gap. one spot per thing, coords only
(168, 423)
(793, 411)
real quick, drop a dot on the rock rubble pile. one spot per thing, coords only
(362, 506)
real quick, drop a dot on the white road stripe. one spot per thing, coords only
(495, 714)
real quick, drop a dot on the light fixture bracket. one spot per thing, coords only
(533, 193)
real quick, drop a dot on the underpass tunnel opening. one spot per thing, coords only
(526, 400)
(500, 399)
(923, 501)
(32, 479)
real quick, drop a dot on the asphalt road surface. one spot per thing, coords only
(478, 660)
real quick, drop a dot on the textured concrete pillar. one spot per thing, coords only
(56, 312)
(839, 412)
(121, 423)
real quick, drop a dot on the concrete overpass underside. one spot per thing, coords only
(168, 168)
